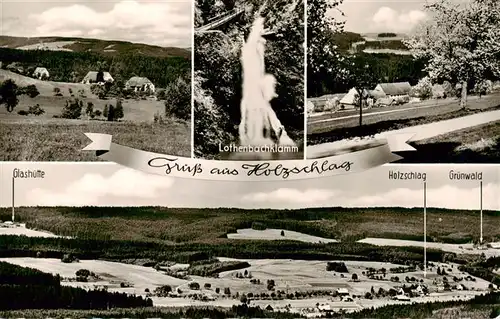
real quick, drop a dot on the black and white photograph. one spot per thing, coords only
(249, 79)
(73, 67)
(80, 240)
(427, 68)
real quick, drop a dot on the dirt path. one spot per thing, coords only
(421, 132)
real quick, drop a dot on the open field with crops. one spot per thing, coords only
(308, 279)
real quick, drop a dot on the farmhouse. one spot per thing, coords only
(41, 73)
(138, 83)
(394, 90)
(97, 77)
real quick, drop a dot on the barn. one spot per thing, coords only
(41, 73)
(394, 90)
(138, 83)
(97, 77)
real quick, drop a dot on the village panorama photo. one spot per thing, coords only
(128, 74)
(386, 72)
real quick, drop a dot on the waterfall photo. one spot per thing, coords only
(249, 80)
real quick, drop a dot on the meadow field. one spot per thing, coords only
(478, 144)
(47, 137)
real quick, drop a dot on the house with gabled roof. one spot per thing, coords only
(138, 83)
(41, 73)
(398, 89)
(97, 77)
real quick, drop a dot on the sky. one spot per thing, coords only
(157, 22)
(374, 16)
(108, 184)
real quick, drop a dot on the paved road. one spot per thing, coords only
(356, 116)
(421, 132)
(328, 121)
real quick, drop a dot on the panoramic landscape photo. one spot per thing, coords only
(428, 68)
(116, 67)
(85, 242)
(249, 79)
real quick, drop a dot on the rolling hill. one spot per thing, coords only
(105, 47)
(70, 59)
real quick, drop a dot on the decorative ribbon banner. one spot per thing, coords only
(376, 153)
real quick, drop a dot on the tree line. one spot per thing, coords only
(26, 288)
(73, 66)
(21, 246)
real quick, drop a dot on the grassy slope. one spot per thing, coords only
(97, 45)
(44, 138)
(63, 140)
(479, 144)
(211, 225)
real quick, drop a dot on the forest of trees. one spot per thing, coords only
(73, 66)
(218, 81)
(26, 288)
(15, 246)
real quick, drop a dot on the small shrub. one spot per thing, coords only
(22, 112)
(97, 113)
(81, 279)
(72, 109)
(194, 286)
(118, 112)
(32, 91)
(99, 91)
(89, 110)
(111, 113)
(36, 110)
(83, 273)
(68, 258)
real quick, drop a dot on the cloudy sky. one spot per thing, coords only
(159, 22)
(108, 184)
(367, 16)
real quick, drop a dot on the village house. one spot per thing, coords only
(41, 73)
(393, 90)
(97, 77)
(138, 83)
